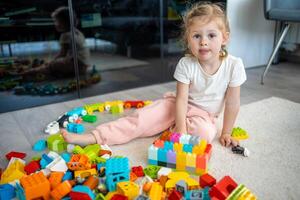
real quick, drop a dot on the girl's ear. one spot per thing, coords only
(225, 38)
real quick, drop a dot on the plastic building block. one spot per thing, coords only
(151, 171)
(174, 177)
(56, 143)
(117, 170)
(57, 165)
(62, 189)
(68, 176)
(119, 197)
(223, 188)
(155, 191)
(175, 195)
(7, 191)
(40, 145)
(15, 154)
(90, 118)
(92, 182)
(76, 112)
(79, 162)
(240, 150)
(239, 134)
(85, 173)
(109, 104)
(142, 197)
(14, 171)
(52, 128)
(163, 171)
(138, 170)
(207, 180)
(133, 104)
(128, 188)
(55, 179)
(90, 108)
(75, 128)
(117, 109)
(181, 187)
(165, 136)
(81, 192)
(63, 121)
(241, 193)
(32, 167)
(36, 186)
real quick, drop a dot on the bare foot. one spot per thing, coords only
(82, 140)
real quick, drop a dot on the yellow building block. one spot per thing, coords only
(174, 177)
(13, 172)
(180, 161)
(156, 191)
(177, 147)
(191, 160)
(202, 144)
(85, 173)
(128, 188)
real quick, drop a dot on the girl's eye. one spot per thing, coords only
(197, 36)
(211, 35)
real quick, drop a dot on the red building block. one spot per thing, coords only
(15, 154)
(175, 195)
(223, 188)
(119, 197)
(32, 167)
(139, 172)
(206, 180)
(208, 150)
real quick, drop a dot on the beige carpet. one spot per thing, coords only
(273, 169)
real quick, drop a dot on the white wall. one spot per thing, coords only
(251, 34)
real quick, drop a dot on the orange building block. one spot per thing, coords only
(36, 186)
(55, 179)
(79, 162)
(62, 189)
(91, 182)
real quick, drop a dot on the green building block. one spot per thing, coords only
(90, 118)
(56, 143)
(151, 171)
(117, 109)
(239, 133)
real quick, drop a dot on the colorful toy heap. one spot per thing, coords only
(92, 173)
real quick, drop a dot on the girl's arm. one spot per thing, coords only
(232, 107)
(181, 107)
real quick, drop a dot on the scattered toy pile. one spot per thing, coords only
(69, 171)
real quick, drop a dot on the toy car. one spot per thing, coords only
(109, 104)
(52, 128)
(90, 108)
(134, 104)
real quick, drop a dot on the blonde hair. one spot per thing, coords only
(207, 12)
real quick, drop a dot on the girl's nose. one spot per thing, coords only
(203, 43)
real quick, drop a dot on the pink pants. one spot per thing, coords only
(153, 119)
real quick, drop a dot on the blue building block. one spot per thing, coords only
(162, 155)
(45, 161)
(7, 191)
(117, 170)
(188, 148)
(40, 145)
(66, 157)
(68, 176)
(20, 192)
(75, 128)
(168, 145)
(84, 189)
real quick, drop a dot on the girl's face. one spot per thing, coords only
(205, 40)
(58, 25)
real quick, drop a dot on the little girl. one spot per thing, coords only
(63, 63)
(208, 79)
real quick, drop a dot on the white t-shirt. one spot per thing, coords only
(83, 52)
(208, 91)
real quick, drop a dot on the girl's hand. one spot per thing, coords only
(179, 130)
(226, 140)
